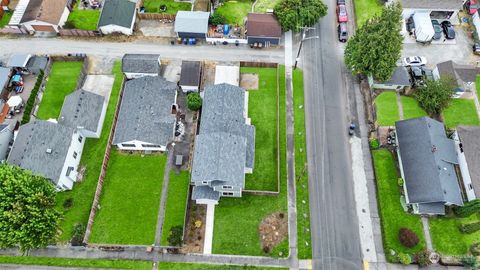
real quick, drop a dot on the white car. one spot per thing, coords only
(414, 61)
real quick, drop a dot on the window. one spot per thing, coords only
(227, 193)
(152, 145)
(128, 145)
(470, 187)
(69, 171)
(80, 138)
(227, 187)
(75, 154)
(205, 182)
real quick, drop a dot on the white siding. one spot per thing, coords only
(111, 28)
(66, 182)
(137, 146)
(462, 163)
(133, 75)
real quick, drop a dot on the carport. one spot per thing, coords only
(441, 10)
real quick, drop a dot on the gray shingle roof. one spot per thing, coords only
(29, 150)
(141, 63)
(399, 77)
(37, 63)
(470, 138)
(463, 73)
(433, 4)
(432, 208)
(190, 75)
(191, 22)
(4, 77)
(82, 109)
(428, 159)
(117, 12)
(205, 192)
(145, 111)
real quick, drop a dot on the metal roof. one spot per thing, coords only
(18, 60)
(191, 22)
(433, 4)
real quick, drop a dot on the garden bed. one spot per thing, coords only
(153, 6)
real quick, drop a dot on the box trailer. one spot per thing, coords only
(424, 31)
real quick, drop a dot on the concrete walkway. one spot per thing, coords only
(477, 103)
(400, 105)
(426, 232)
(209, 223)
(163, 197)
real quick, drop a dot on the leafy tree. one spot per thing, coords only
(435, 96)
(217, 19)
(294, 14)
(376, 46)
(28, 217)
(175, 236)
(194, 101)
(78, 234)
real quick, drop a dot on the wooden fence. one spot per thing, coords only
(78, 33)
(259, 64)
(15, 31)
(156, 16)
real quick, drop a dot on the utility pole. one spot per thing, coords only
(304, 37)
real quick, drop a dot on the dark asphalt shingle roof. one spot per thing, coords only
(190, 75)
(141, 63)
(428, 159)
(205, 193)
(400, 76)
(433, 4)
(82, 109)
(432, 208)
(191, 22)
(49, 11)
(463, 73)
(145, 111)
(37, 63)
(263, 25)
(29, 150)
(117, 12)
(470, 138)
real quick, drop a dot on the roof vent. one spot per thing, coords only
(49, 150)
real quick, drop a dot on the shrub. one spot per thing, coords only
(469, 227)
(175, 236)
(31, 99)
(194, 101)
(216, 19)
(400, 182)
(68, 203)
(475, 249)
(404, 258)
(374, 144)
(423, 258)
(69, 25)
(470, 262)
(407, 237)
(78, 234)
(468, 209)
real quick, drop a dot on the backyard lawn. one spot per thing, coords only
(61, 82)
(461, 112)
(5, 19)
(241, 236)
(235, 11)
(411, 108)
(301, 172)
(84, 19)
(92, 157)
(192, 266)
(365, 9)
(477, 85)
(67, 263)
(263, 112)
(262, 5)
(448, 239)
(176, 203)
(130, 199)
(393, 218)
(153, 6)
(387, 109)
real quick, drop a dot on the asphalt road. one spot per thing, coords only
(334, 223)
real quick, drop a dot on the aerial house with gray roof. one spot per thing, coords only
(146, 121)
(118, 16)
(191, 24)
(140, 65)
(225, 147)
(50, 150)
(428, 161)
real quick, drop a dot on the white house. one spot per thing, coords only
(118, 16)
(40, 15)
(140, 65)
(48, 149)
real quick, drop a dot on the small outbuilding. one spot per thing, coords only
(118, 16)
(18, 60)
(263, 28)
(190, 76)
(37, 63)
(191, 24)
(400, 80)
(140, 65)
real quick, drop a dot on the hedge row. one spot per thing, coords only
(470, 227)
(31, 99)
(468, 209)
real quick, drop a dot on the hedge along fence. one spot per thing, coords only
(469, 227)
(468, 209)
(27, 113)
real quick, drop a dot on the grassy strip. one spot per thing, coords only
(392, 215)
(70, 262)
(448, 239)
(129, 217)
(461, 112)
(387, 109)
(262, 5)
(235, 11)
(192, 266)
(411, 108)
(176, 202)
(301, 172)
(92, 157)
(60, 83)
(366, 9)
(237, 219)
(153, 6)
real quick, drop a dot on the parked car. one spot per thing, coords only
(476, 48)
(342, 13)
(448, 30)
(472, 6)
(342, 32)
(340, 2)
(438, 30)
(458, 92)
(414, 61)
(410, 25)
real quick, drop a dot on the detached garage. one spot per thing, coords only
(191, 24)
(441, 10)
(263, 28)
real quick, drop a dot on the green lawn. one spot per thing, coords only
(153, 6)
(85, 19)
(461, 112)
(387, 109)
(235, 11)
(92, 157)
(301, 172)
(176, 202)
(192, 266)
(64, 262)
(411, 108)
(61, 82)
(365, 9)
(5, 19)
(477, 85)
(447, 238)
(130, 199)
(391, 212)
(237, 219)
(263, 112)
(262, 5)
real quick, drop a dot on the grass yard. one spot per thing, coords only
(411, 108)
(366, 9)
(64, 262)
(92, 157)
(5, 19)
(61, 82)
(84, 19)
(461, 112)
(391, 212)
(263, 112)
(237, 219)
(176, 202)
(130, 217)
(262, 5)
(192, 266)
(448, 239)
(235, 11)
(477, 85)
(301, 172)
(387, 109)
(152, 6)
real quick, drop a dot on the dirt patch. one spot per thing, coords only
(273, 230)
(249, 81)
(193, 242)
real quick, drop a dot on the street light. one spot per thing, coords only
(304, 34)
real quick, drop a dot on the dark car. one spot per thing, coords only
(476, 48)
(448, 30)
(438, 30)
(342, 32)
(410, 25)
(340, 2)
